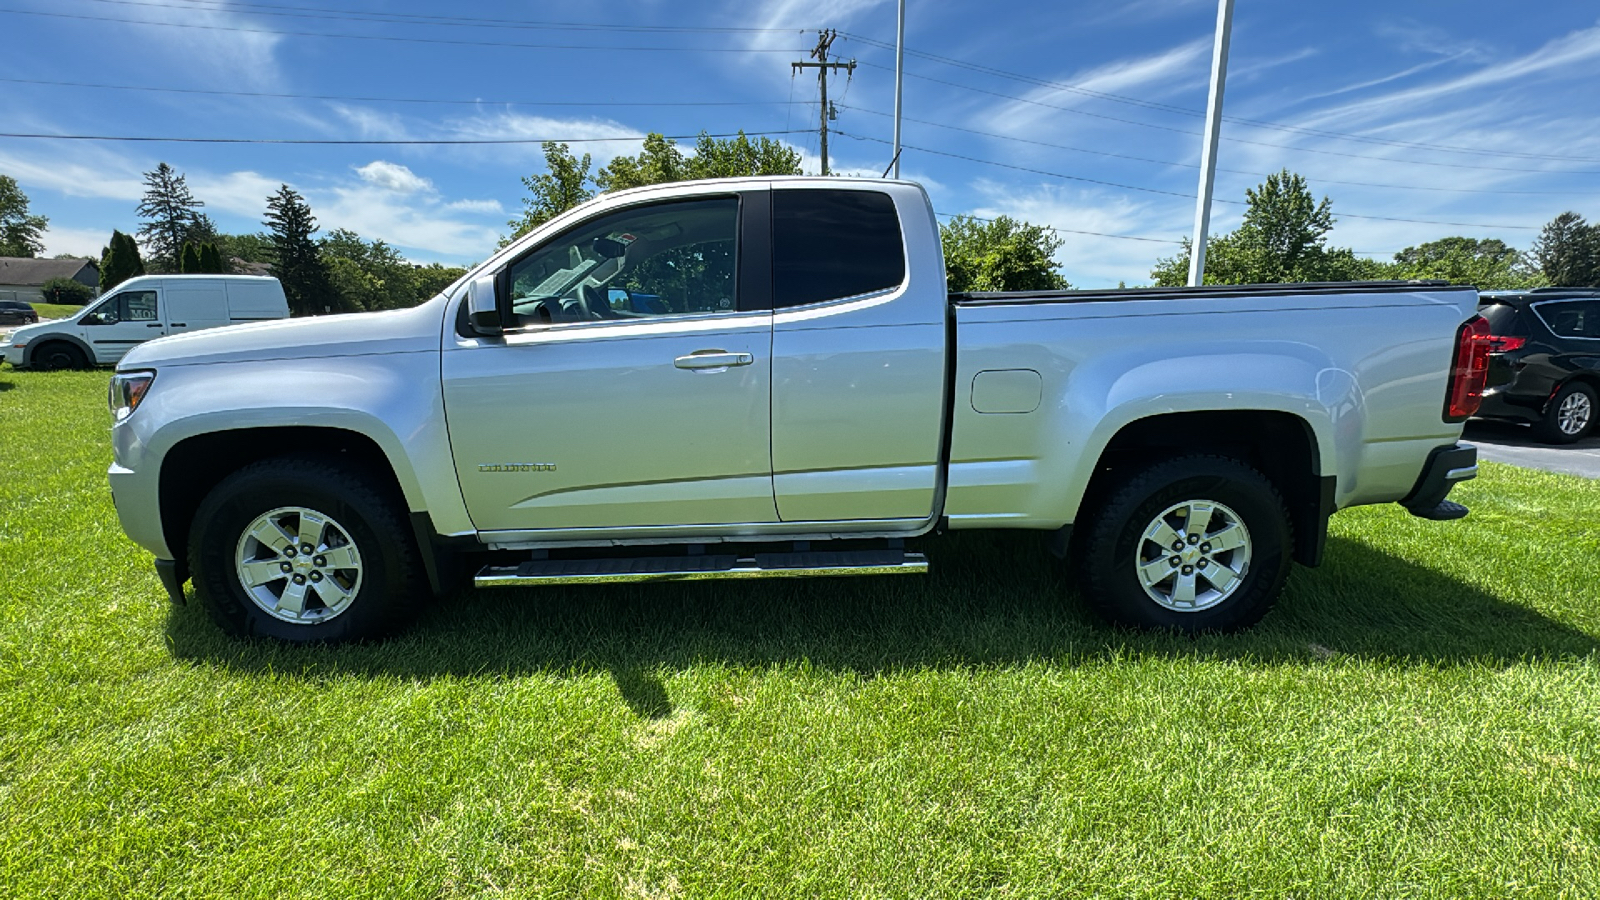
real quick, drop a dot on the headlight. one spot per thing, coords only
(127, 389)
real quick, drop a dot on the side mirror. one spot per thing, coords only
(483, 306)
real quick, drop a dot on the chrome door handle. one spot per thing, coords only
(713, 359)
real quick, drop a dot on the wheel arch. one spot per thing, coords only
(194, 466)
(1281, 445)
(44, 340)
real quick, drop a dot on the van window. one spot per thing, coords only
(830, 244)
(1572, 318)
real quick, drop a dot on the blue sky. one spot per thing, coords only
(1465, 112)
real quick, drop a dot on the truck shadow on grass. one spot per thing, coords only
(993, 601)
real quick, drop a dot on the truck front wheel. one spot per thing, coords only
(303, 549)
(1199, 543)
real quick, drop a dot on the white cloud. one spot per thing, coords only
(585, 135)
(1167, 69)
(417, 224)
(478, 206)
(240, 193)
(393, 177)
(85, 242)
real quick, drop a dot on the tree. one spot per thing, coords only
(211, 260)
(120, 261)
(1283, 239)
(1568, 251)
(1001, 255)
(169, 216)
(661, 161)
(1487, 263)
(433, 278)
(69, 291)
(189, 260)
(297, 261)
(369, 275)
(564, 185)
(21, 234)
(250, 248)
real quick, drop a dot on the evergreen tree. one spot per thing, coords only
(189, 262)
(170, 218)
(1568, 251)
(20, 232)
(211, 260)
(120, 262)
(297, 261)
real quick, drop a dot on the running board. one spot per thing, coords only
(695, 568)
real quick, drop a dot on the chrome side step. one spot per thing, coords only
(695, 568)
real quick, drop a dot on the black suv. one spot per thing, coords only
(16, 312)
(1544, 360)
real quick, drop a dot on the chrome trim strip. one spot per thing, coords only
(1462, 474)
(915, 564)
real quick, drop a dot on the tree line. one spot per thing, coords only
(1284, 237)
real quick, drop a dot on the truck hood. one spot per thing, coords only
(354, 334)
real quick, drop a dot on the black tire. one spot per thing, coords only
(1110, 543)
(57, 355)
(388, 585)
(1571, 414)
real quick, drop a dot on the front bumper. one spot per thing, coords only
(1446, 468)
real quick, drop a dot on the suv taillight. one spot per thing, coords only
(1501, 343)
(1469, 370)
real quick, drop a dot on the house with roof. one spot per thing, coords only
(21, 278)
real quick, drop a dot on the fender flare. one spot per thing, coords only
(35, 344)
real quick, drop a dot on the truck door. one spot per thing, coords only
(858, 362)
(632, 390)
(121, 322)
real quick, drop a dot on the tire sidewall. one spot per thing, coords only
(1131, 510)
(58, 355)
(240, 499)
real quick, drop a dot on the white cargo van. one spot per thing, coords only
(142, 309)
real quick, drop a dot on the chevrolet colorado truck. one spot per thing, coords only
(767, 377)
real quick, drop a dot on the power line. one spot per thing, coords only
(1188, 165)
(384, 143)
(1131, 187)
(352, 15)
(1238, 120)
(473, 102)
(395, 38)
(1120, 237)
(1237, 140)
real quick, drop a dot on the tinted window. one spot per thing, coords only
(659, 260)
(1574, 318)
(1502, 317)
(829, 244)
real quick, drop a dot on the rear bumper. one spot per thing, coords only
(1446, 467)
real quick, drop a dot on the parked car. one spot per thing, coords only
(17, 312)
(142, 309)
(1544, 360)
(768, 378)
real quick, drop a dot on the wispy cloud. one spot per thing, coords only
(1163, 70)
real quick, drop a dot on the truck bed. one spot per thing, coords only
(1210, 291)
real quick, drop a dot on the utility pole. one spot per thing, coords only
(899, 77)
(823, 67)
(1208, 150)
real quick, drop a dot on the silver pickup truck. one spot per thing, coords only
(766, 377)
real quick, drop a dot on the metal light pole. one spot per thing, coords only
(899, 78)
(1208, 151)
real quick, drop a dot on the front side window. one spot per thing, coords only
(830, 244)
(666, 259)
(128, 306)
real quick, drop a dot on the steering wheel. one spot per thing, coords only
(596, 305)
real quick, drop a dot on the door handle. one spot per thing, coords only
(713, 359)
(158, 324)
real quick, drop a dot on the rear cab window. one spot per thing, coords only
(833, 244)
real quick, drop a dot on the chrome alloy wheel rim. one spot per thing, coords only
(1193, 555)
(1573, 416)
(298, 565)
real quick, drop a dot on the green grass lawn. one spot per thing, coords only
(1419, 718)
(56, 310)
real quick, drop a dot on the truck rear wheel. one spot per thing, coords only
(1199, 543)
(302, 550)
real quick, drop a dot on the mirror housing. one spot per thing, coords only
(483, 306)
